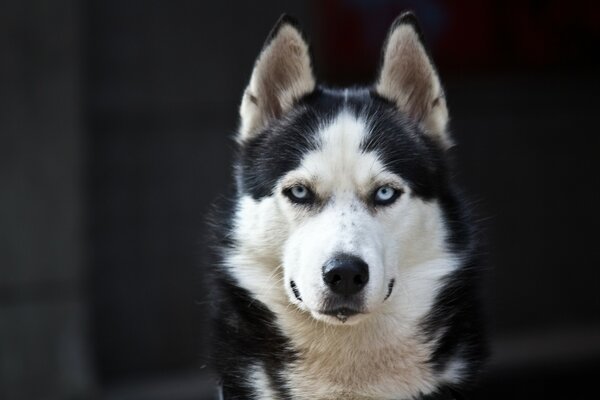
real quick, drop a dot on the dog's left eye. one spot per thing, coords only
(385, 195)
(299, 194)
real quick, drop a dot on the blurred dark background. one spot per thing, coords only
(116, 120)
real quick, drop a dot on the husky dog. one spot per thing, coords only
(348, 265)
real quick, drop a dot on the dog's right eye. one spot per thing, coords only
(299, 194)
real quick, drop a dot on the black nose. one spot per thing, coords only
(346, 274)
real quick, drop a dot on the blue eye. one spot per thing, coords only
(299, 194)
(385, 195)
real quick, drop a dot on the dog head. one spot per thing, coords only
(341, 190)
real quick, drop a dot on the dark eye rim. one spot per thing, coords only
(397, 193)
(309, 199)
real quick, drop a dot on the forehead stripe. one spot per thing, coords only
(345, 122)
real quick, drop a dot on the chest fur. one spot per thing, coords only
(369, 361)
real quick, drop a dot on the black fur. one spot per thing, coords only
(246, 333)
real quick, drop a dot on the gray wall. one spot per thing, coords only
(43, 346)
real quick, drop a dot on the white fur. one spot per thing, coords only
(378, 355)
(259, 381)
(454, 371)
(340, 173)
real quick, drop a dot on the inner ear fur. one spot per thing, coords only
(408, 78)
(282, 74)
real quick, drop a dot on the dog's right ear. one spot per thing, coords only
(282, 74)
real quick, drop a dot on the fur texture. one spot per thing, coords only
(358, 172)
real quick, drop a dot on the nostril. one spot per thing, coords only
(359, 280)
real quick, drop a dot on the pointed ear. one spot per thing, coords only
(282, 74)
(408, 78)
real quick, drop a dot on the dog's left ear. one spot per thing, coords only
(282, 74)
(409, 79)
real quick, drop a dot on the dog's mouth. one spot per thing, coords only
(340, 308)
(341, 313)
